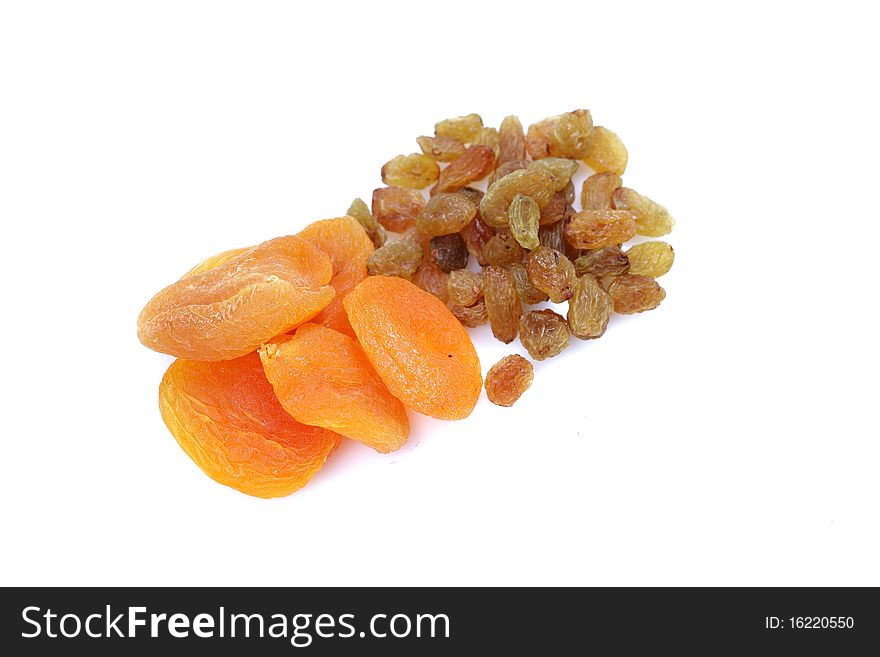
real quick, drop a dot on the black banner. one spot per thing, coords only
(102, 621)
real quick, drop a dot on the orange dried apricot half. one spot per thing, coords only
(226, 417)
(229, 310)
(215, 261)
(348, 246)
(418, 347)
(322, 378)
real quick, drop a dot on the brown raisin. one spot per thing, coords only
(652, 219)
(449, 252)
(445, 214)
(552, 273)
(536, 183)
(475, 164)
(472, 316)
(570, 136)
(524, 215)
(554, 237)
(502, 302)
(401, 258)
(650, 258)
(414, 171)
(432, 279)
(538, 138)
(442, 149)
(602, 262)
(359, 210)
(527, 292)
(508, 379)
(635, 294)
(557, 209)
(589, 309)
(512, 141)
(463, 128)
(505, 168)
(464, 287)
(475, 235)
(397, 208)
(543, 333)
(597, 190)
(605, 152)
(594, 229)
(501, 249)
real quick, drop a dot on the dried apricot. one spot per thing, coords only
(502, 302)
(226, 417)
(323, 379)
(214, 261)
(445, 214)
(419, 349)
(605, 152)
(397, 208)
(635, 294)
(594, 229)
(589, 309)
(475, 164)
(652, 219)
(508, 379)
(543, 333)
(650, 258)
(228, 311)
(414, 171)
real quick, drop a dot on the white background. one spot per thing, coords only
(729, 437)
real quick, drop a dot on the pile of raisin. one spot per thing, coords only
(502, 234)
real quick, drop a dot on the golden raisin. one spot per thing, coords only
(650, 258)
(543, 333)
(635, 294)
(594, 229)
(502, 302)
(475, 164)
(652, 219)
(605, 152)
(589, 309)
(508, 379)
(414, 171)
(397, 208)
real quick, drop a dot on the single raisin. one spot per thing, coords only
(652, 219)
(463, 128)
(570, 136)
(602, 262)
(464, 287)
(512, 141)
(375, 231)
(605, 152)
(508, 379)
(414, 171)
(650, 258)
(488, 137)
(475, 235)
(445, 214)
(524, 215)
(471, 316)
(589, 308)
(594, 229)
(432, 279)
(502, 249)
(552, 273)
(505, 168)
(449, 252)
(400, 258)
(502, 302)
(562, 169)
(597, 190)
(527, 292)
(475, 164)
(543, 333)
(536, 183)
(397, 208)
(557, 209)
(635, 294)
(538, 138)
(442, 149)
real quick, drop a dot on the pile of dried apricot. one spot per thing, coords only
(286, 347)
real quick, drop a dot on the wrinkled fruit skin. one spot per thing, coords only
(419, 349)
(347, 245)
(359, 210)
(445, 214)
(589, 309)
(596, 229)
(502, 249)
(537, 183)
(464, 287)
(323, 379)
(449, 252)
(414, 171)
(524, 216)
(508, 379)
(397, 208)
(543, 333)
(442, 149)
(635, 294)
(552, 273)
(511, 141)
(398, 258)
(432, 279)
(597, 190)
(476, 163)
(652, 219)
(226, 417)
(609, 260)
(650, 258)
(228, 311)
(605, 152)
(502, 302)
(528, 293)
(462, 128)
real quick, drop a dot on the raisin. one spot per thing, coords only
(528, 293)
(502, 249)
(506, 168)
(445, 214)
(471, 316)
(589, 309)
(375, 231)
(597, 190)
(397, 208)
(635, 294)
(605, 152)
(609, 260)
(432, 279)
(475, 164)
(570, 136)
(472, 195)
(543, 333)
(463, 128)
(594, 229)
(464, 287)
(552, 273)
(557, 209)
(512, 141)
(651, 259)
(502, 302)
(524, 215)
(535, 183)
(488, 137)
(398, 258)
(508, 379)
(475, 235)
(449, 252)
(442, 149)
(414, 171)
(652, 219)
(417, 346)
(538, 138)
(560, 168)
